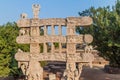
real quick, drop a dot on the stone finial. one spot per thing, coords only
(36, 9)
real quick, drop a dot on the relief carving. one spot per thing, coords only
(88, 49)
(88, 38)
(78, 71)
(24, 32)
(34, 71)
(24, 66)
(71, 48)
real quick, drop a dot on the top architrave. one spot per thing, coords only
(75, 21)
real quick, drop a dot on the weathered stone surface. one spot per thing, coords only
(75, 39)
(88, 38)
(23, 23)
(76, 21)
(80, 21)
(36, 9)
(77, 57)
(30, 33)
(63, 39)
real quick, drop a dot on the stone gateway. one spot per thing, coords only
(29, 33)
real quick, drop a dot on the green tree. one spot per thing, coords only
(8, 48)
(106, 31)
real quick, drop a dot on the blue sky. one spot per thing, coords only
(10, 10)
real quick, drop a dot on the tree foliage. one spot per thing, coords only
(106, 31)
(8, 48)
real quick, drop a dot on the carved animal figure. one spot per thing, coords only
(22, 32)
(88, 49)
(23, 66)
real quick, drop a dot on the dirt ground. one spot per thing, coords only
(97, 73)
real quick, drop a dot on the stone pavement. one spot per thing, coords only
(98, 74)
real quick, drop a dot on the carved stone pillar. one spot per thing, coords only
(45, 30)
(60, 47)
(71, 49)
(70, 29)
(60, 30)
(35, 71)
(45, 48)
(52, 47)
(53, 30)
(35, 31)
(34, 47)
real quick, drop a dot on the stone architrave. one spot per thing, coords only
(30, 34)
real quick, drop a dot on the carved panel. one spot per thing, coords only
(35, 40)
(53, 21)
(23, 39)
(79, 21)
(22, 56)
(87, 57)
(34, 48)
(40, 39)
(76, 21)
(23, 23)
(71, 48)
(34, 22)
(41, 57)
(77, 57)
(75, 39)
(43, 39)
(24, 32)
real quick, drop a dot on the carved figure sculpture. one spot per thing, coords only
(23, 66)
(70, 72)
(23, 16)
(20, 51)
(88, 55)
(37, 74)
(21, 32)
(77, 75)
(24, 31)
(88, 49)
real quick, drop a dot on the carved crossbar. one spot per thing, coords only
(41, 39)
(76, 21)
(77, 57)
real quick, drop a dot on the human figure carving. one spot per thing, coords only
(23, 65)
(68, 73)
(78, 72)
